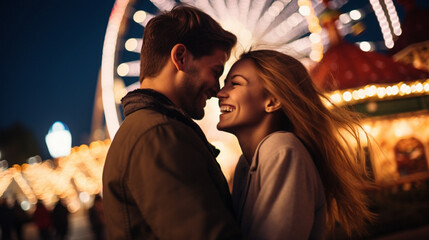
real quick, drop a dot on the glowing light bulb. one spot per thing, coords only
(58, 140)
(123, 69)
(139, 16)
(365, 46)
(347, 96)
(355, 14)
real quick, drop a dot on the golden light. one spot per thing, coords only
(365, 46)
(355, 14)
(139, 16)
(347, 96)
(71, 178)
(131, 45)
(380, 91)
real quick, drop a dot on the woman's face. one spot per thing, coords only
(242, 99)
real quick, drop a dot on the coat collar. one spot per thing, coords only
(153, 100)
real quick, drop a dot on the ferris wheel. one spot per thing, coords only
(290, 26)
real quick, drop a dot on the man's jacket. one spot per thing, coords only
(161, 179)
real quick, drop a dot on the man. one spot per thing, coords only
(161, 179)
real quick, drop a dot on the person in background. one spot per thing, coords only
(161, 179)
(60, 217)
(302, 167)
(96, 218)
(20, 217)
(42, 219)
(6, 219)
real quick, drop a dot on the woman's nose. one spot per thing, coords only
(221, 93)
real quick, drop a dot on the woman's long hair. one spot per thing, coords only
(326, 132)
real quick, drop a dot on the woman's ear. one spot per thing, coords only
(178, 55)
(272, 105)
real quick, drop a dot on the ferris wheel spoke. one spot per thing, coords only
(232, 6)
(274, 11)
(164, 5)
(142, 17)
(129, 69)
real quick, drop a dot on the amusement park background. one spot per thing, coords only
(70, 61)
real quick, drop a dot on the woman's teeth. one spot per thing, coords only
(226, 109)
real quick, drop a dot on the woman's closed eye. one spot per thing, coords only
(235, 83)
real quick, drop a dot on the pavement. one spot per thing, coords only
(79, 229)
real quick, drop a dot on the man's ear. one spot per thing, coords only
(178, 55)
(272, 105)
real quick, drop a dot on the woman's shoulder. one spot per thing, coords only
(280, 140)
(282, 144)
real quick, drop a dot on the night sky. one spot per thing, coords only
(50, 54)
(50, 58)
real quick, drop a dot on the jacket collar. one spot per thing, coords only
(153, 100)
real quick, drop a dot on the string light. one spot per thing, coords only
(45, 181)
(306, 9)
(393, 16)
(387, 21)
(377, 92)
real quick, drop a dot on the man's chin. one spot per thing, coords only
(197, 116)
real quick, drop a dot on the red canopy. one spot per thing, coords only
(345, 65)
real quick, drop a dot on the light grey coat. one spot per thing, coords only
(280, 195)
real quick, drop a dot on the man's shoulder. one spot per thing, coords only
(143, 124)
(143, 121)
(146, 118)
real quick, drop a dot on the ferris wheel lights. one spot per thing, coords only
(315, 38)
(355, 14)
(142, 17)
(391, 10)
(304, 10)
(123, 69)
(133, 44)
(365, 46)
(276, 8)
(344, 18)
(388, 19)
(294, 20)
(389, 44)
(164, 5)
(315, 56)
(139, 16)
(129, 69)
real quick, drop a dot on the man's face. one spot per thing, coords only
(201, 82)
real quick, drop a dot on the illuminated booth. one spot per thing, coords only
(394, 98)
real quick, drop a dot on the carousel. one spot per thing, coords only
(393, 97)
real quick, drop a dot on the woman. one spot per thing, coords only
(296, 176)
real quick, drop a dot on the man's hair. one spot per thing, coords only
(199, 32)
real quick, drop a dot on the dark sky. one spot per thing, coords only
(50, 53)
(50, 56)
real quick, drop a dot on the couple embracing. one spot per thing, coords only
(295, 178)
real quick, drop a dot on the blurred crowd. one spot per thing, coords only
(51, 224)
